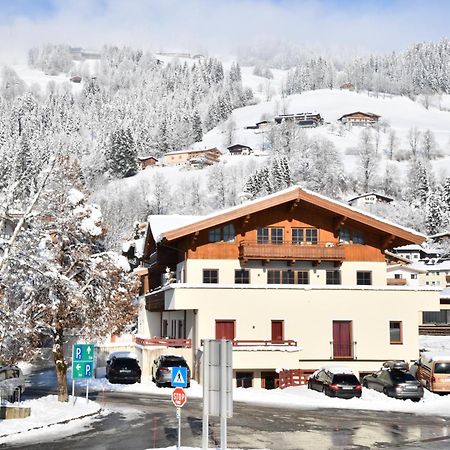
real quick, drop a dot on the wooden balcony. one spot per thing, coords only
(288, 251)
(154, 302)
(396, 281)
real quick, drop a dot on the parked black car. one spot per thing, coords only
(394, 380)
(162, 369)
(335, 382)
(122, 368)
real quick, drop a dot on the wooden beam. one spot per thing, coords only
(245, 221)
(294, 205)
(339, 222)
(194, 239)
(387, 242)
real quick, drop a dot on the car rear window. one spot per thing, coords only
(401, 377)
(442, 368)
(174, 363)
(345, 379)
(126, 362)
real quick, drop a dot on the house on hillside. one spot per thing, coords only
(305, 120)
(259, 125)
(239, 149)
(75, 79)
(440, 237)
(359, 118)
(347, 86)
(404, 275)
(370, 198)
(147, 161)
(210, 156)
(415, 252)
(294, 279)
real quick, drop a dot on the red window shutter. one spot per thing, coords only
(225, 329)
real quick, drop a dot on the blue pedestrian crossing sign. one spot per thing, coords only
(179, 377)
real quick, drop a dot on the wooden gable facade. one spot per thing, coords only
(295, 225)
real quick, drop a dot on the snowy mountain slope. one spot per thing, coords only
(400, 112)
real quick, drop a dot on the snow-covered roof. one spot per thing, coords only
(410, 247)
(337, 370)
(437, 355)
(160, 224)
(396, 256)
(123, 355)
(385, 197)
(445, 293)
(181, 152)
(144, 158)
(438, 266)
(409, 268)
(283, 194)
(438, 235)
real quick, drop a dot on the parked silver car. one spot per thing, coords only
(12, 383)
(162, 369)
(394, 380)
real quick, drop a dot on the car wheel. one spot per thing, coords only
(385, 392)
(415, 400)
(309, 385)
(365, 384)
(188, 385)
(158, 385)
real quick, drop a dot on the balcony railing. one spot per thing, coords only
(396, 281)
(164, 342)
(261, 343)
(326, 251)
(256, 343)
(343, 350)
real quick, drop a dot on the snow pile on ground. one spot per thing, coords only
(294, 397)
(189, 448)
(47, 411)
(435, 343)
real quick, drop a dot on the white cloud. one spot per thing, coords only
(221, 26)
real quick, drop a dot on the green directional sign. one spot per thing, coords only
(83, 361)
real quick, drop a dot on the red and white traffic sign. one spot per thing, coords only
(179, 397)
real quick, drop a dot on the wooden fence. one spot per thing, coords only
(294, 377)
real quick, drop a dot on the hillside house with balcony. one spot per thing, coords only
(296, 281)
(210, 156)
(304, 120)
(359, 118)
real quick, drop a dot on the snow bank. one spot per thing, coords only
(75, 197)
(47, 411)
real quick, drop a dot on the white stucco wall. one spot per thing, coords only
(258, 272)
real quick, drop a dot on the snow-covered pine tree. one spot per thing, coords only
(121, 156)
(435, 213)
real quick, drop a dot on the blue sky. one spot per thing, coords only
(221, 26)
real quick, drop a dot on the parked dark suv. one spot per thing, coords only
(162, 369)
(122, 368)
(335, 382)
(394, 380)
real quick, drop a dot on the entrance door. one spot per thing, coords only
(277, 330)
(225, 329)
(342, 339)
(270, 380)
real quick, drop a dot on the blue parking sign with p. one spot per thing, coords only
(179, 377)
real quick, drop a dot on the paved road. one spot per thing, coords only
(142, 421)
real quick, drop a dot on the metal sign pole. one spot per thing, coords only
(223, 395)
(205, 431)
(87, 391)
(179, 427)
(73, 390)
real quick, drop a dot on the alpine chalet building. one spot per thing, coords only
(296, 280)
